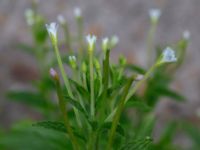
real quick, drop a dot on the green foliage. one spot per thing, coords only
(114, 97)
(34, 138)
(139, 144)
(29, 98)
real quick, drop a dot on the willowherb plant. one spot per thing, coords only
(97, 94)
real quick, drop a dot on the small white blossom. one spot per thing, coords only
(186, 35)
(77, 12)
(61, 19)
(52, 30)
(154, 14)
(168, 55)
(139, 77)
(72, 61)
(114, 40)
(53, 73)
(29, 14)
(72, 58)
(105, 43)
(91, 39)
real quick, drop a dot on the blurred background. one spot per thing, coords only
(127, 19)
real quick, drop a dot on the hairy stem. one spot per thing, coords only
(66, 81)
(92, 102)
(118, 114)
(63, 105)
(132, 92)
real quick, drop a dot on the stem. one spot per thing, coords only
(92, 141)
(62, 105)
(80, 36)
(139, 83)
(150, 43)
(63, 73)
(131, 93)
(67, 37)
(92, 103)
(66, 81)
(105, 82)
(118, 114)
(84, 80)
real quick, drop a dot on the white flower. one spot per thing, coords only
(154, 14)
(77, 12)
(114, 40)
(105, 43)
(61, 19)
(186, 35)
(52, 30)
(91, 39)
(29, 14)
(168, 55)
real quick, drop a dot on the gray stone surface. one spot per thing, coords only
(126, 18)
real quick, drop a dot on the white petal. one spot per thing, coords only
(91, 39)
(105, 41)
(29, 14)
(155, 14)
(114, 40)
(52, 29)
(168, 55)
(61, 19)
(77, 12)
(186, 34)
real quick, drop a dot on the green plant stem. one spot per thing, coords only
(105, 82)
(66, 81)
(80, 37)
(63, 105)
(92, 102)
(67, 37)
(118, 114)
(150, 43)
(139, 83)
(132, 92)
(63, 73)
(84, 80)
(92, 141)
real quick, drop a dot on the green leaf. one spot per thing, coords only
(139, 144)
(76, 105)
(135, 68)
(29, 98)
(146, 127)
(54, 125)
(57, 126)
(97, 87)
(83, 92)
(107, 126)
(192, 131)
(164, 91)
(140, 105)
(34, 139)
(168, 135)
(39, 30)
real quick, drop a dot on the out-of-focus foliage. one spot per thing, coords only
(111, 84)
